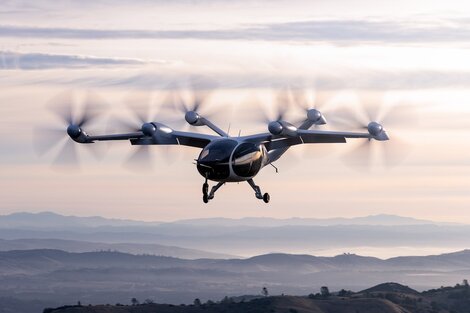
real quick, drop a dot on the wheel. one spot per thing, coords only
(205, 188)
(205, 198)
(266, 198)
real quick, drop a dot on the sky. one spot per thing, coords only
(409, 53)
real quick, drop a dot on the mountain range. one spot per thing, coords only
(56, 221)
(47, 259)
(57, 277)
(380, 235)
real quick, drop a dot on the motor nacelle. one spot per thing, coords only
(278, 128)
(377, 131)
(148, 129)
(316, 117)
(193, 118)
(77, 134)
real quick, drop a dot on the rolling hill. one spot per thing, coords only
(56, 277)
(383, 298)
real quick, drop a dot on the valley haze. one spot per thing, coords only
(377, 235)
(99, 260)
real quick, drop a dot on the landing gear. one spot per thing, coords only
(209, 196)
(205, 190)
(266, 197)
(258, 193)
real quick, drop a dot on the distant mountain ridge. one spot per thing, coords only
(43, 259)
(380, 219)
(53, 220)
(86, 246)
(50, 219)
(381, 235)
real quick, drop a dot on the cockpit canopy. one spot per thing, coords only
(214, 160)
(247, 159)
(221, 158)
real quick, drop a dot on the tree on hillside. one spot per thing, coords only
(344, 293)
(134, 301)
(226, 300)
(197, 302)
(265, 292)
(325, 292)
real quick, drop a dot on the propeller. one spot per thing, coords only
(74, 116)
(372, 115)
(192, 101)
(145, 108)
(282, 103)
(312, 103)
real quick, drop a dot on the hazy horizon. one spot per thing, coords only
(6, 213)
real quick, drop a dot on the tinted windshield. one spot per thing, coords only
(247, 160)
(214, 160)
(218, 151)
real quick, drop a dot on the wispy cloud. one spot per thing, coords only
(33, 61)
(379, 80)
(315, 30)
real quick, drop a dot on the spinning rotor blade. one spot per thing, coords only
(393, 151)
(360, 156)
(193, 98)
(304, 99)
(281, 102)
(308, 101)
(44, 139)
(68, 155)
(140, 159)
(65, 106)
(144, 108)
(198, 92)
(139, 104)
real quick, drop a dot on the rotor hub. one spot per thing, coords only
(74, 131)
(191, 117)
(374, 128)
(314, 115)
(275, 128)
(148, 129)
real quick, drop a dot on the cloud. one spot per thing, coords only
(168, 77)
(33, 61)
(380, 80)
(340, 31)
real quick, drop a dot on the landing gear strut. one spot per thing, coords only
(209, 196)
(258, 193)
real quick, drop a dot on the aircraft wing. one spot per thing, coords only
(273, 142)
(160, 137)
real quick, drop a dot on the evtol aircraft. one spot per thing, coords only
(222, 158)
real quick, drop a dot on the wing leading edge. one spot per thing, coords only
(273, 142)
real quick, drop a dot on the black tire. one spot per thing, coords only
(205, 198)
(266, 198)
(205, 188)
